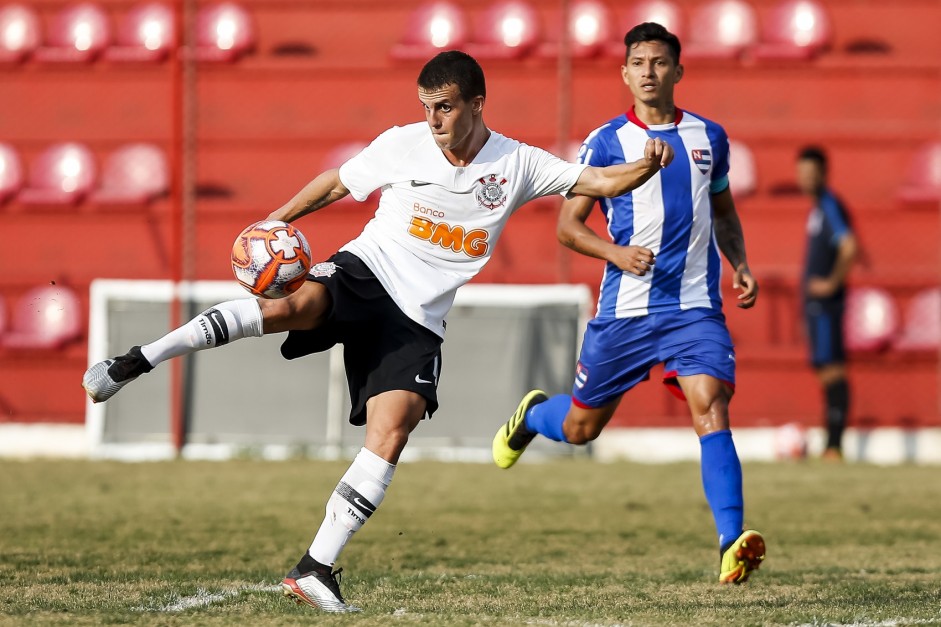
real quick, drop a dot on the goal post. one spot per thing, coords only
(246, 400)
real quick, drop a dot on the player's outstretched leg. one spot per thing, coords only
(224, 323)
(318, 587)
(742, 557)
(513, 437)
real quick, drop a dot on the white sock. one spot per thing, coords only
(353, 501)
(218, 325)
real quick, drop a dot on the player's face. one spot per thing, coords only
(450, 117)
(809, 176)
(651, 73)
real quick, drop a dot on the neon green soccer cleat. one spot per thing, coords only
(513, 437)
(742, 558)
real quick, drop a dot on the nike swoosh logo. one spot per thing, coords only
(419, 183)
(366, 507)
(418, 379)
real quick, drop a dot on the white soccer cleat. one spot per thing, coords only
(316, 590)
(104, 379)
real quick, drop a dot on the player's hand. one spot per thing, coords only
(820, 287)
(744, 281)
(634, 259)
(658, 153)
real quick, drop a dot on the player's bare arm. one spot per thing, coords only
(320, 192)
(731, 240)
(616, 180)
(824, 287)
(574, 233)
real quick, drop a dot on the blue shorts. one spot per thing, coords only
(824, 322)
(618, 353)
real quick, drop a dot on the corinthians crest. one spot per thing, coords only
(490, 193)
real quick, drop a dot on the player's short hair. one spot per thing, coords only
(454, 68)
(651, 31)
(814, 153)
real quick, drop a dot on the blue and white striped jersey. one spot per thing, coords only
(671, 214)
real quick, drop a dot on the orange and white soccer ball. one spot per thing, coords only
(271, 259)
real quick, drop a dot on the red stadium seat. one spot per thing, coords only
(133, 174)
(20, 32)
(664, 12)
(508, 29)
(62, 174)
(589, 30)
(724, 29)
(922, 325)
(431, 28)
(872, 319)
(923, 182)
(11, 172)
(743, 175)
(146, 33)
(224, 32)
(78, 33)
(794, 29)
(48, 316)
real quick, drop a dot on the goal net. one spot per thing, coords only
(244, 399)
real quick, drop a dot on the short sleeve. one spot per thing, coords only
(835, 217)
(546, 174)
(373, 167)
(720, 146)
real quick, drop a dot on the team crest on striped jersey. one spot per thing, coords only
(702, 158)
(490, 193)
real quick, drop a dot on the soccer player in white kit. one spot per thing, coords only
(448, 187)
(659, 299)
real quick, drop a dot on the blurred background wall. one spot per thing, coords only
(124, 154)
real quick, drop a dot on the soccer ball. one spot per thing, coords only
(271, 259)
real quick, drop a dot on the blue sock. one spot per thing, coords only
(547, 418)
(722, 481)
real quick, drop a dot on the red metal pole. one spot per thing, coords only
(176, 227)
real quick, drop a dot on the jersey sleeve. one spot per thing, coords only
(546, 174)
(373, 167)
(836, 218)
(720, 146)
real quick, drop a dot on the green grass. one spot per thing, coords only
(569, 543)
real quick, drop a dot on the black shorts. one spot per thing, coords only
(383, 349)
(824, 322)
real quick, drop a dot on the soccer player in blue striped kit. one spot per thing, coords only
(659, 299)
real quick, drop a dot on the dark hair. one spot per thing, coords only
(814, 153)
(651, 31)
(454, 68)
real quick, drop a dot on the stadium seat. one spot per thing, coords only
(794, 29)
(921, 328)
(589, 30)
(133, 174)
(48, 316)
(724, 29)
(743, 176)
(145, 33)
(224, 32)
(11, 172)
(923, 182)
(871, 321)
(664, 12)
(62, 174)
(77, 34)
(508, 29)
(20, 32)
(431, 28)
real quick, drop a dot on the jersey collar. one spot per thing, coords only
(632, 116)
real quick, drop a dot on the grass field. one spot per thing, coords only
(569, 543)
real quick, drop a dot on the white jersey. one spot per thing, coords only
(437, 223)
